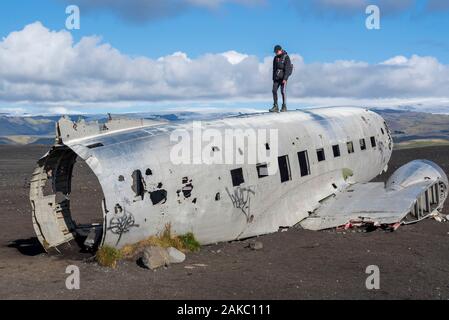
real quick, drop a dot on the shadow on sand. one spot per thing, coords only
(70, 250)
(28, 247)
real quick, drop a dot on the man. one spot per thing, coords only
(282, 70)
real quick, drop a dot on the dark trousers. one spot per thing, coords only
(276, 85)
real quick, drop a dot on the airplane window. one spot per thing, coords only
(373, 141)
(304, 166)
(382, 130)
(262, 170)
(320, 155)
(350, 147)
(237, 177)
(284, 168)
(336, 150)
(362, 144)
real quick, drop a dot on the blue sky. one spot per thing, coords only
(250, 29)
(318, 32)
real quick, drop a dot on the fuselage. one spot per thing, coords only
(316, 153)
(142, 185)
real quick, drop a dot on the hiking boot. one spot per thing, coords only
(284, 108)
(275, 108)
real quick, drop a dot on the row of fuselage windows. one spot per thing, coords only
(303, 159)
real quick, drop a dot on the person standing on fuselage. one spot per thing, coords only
(282, 70)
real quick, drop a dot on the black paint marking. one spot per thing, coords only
(122, 224)
(241, 199)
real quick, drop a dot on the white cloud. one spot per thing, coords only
(44, 67)
(147, 10)
(349, 7)
(60, 110)
(139, 11)
(396, 61)
(234, 57)
(332, 8)
(437, 5)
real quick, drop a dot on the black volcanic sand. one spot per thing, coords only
(295, 264)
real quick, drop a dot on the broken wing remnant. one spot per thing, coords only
(414, 192)
(68, 130)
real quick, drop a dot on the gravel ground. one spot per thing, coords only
(295, 264)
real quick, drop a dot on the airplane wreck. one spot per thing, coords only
(326, 160)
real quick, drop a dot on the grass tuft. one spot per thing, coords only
(107, 256)
(189, 242)
(166, 239)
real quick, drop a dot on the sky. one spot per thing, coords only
(147, 55)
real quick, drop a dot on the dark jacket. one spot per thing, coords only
(282, 67)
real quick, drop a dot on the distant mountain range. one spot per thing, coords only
(38, 125)
(407, 125)
(41, 129)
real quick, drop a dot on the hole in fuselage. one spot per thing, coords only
(86, 201)
(70, 203)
